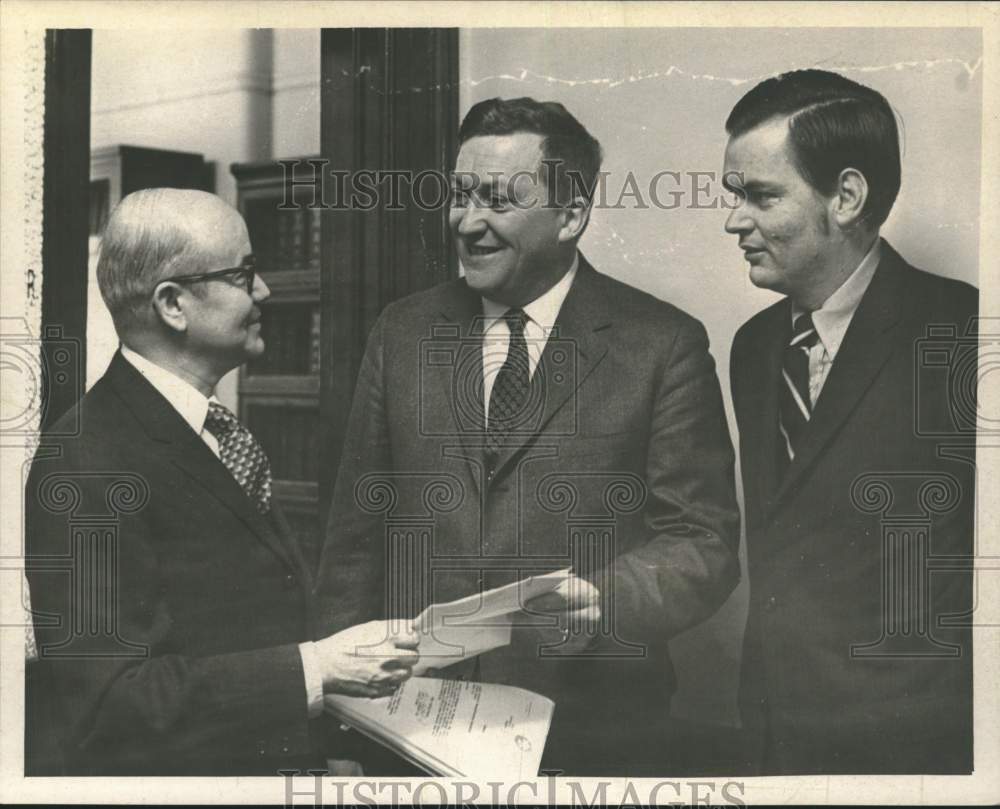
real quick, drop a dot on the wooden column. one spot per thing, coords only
(65, 201)
(389, 103)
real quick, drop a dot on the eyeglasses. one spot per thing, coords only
(245, 275)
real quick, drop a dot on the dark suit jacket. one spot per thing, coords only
(169, 617)
(628, 452)
(833, 681)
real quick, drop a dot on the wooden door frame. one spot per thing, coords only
(389, 102)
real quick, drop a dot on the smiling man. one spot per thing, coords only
(183, 642)
(856, 658)
(572, 420)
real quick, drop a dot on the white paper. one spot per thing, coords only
(470, 626)
(456, 728)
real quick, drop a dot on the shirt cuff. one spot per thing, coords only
(313, 677)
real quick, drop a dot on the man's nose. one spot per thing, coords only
(469, 221)
(738, 221)
(261, 291)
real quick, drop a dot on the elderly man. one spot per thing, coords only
(571, 420)
(856, 447)
(181, 643)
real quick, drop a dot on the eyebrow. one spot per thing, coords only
(492, 188)
(750, 186)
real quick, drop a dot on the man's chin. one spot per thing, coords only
(764, 277)
(254, 349)
(481, 280)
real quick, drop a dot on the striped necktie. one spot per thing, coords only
(242, 455)
(794, 403)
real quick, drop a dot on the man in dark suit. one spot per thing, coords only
(856, 448)
(532, 415)
(181, 640)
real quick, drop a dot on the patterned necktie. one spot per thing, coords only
(510, 390)
(794, 403)
(242, 455)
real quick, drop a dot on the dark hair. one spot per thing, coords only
(834, 123)
(575, 153)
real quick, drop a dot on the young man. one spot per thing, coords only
(851, 661)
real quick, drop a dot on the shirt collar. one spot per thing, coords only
(543, 310)
(182, 395)
(834, 316)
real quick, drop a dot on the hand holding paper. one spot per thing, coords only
(452, 632)
(576, 603)
(576, 598)
(367, 660)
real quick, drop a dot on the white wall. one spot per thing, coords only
(295, 113)
(233, 95)
(657, 99)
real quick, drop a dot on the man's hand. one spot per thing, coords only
(577, 603)
(368, 660)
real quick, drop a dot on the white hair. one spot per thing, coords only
(152, 235)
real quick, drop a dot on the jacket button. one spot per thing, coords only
(261, 747)
(289, 581)
(770, 604)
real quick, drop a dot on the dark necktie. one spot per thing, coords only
(511, 387)
(794, 404)
(242, 455)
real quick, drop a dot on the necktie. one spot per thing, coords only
(510, 390)
(794, 404)
(242, 455)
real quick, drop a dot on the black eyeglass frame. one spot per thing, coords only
(249, 270)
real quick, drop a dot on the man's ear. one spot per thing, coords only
(169, 307)
(850, 197)
(574, 219)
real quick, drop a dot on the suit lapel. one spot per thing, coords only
(575, 347)
(864, 350)
(184, 448)
(455, 388)
(763, 378)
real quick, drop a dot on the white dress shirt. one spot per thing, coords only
(541, 317)
(192, 405)
(834, 316)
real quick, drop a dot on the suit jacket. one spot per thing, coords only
(848, 666)
(167, 610)
(624, 469)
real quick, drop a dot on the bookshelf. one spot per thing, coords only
(279, 391)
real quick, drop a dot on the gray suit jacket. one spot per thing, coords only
(624, 469)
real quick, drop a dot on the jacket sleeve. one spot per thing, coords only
(687, 566)
(350, 580)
